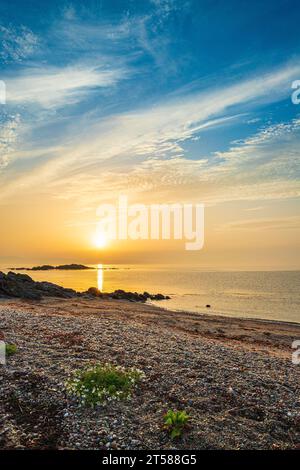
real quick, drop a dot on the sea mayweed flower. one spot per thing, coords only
(101, 383)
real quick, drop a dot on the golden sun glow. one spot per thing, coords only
(99, 240)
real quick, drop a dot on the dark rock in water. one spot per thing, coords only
(142, 298)
(120, 294)
(135, 297)
(158, 297)
(131, 296)
(207, 306)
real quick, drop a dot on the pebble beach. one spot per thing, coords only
(234, 377)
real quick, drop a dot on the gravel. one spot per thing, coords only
(237, 399)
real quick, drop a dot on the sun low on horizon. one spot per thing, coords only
(99, 240)
(125, 98)
(149, 231)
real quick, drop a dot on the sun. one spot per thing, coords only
(99, 240)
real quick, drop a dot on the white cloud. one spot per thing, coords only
(69, 13)
(58, 87)
(143, 149)
(8, 138)
(159, 131)
(165, 8)
(264, 166)
(17, 43)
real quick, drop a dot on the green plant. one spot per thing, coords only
(98, 384)
(175, 422)
(10, 349)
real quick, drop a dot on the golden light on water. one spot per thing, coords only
(100, 277)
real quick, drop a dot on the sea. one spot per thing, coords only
(270, 295)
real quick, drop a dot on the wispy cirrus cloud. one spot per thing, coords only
(263, 224)
(57, 87)
(17, 43)
(8, 138)
(144, 150)
(148, 141)
(263, 166)
(160, 130)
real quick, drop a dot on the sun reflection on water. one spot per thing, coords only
(100, 277)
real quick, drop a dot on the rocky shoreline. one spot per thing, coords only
(23, 286)
(234, 377)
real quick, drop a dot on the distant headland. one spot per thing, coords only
(48, 267)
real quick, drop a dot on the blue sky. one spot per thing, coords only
(164, 97)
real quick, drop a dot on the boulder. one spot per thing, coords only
(94, 292)
(23, 286)
(158, 297)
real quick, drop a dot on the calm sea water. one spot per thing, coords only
(273, 295)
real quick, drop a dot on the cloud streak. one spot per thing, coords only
(58, 87)
(8, 139)
(263, 224)
(159, 131)
(144, 149)
(146, 143)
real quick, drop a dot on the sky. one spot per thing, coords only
(164, 101)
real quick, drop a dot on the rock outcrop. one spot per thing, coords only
(123, 295)
(23, 286)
